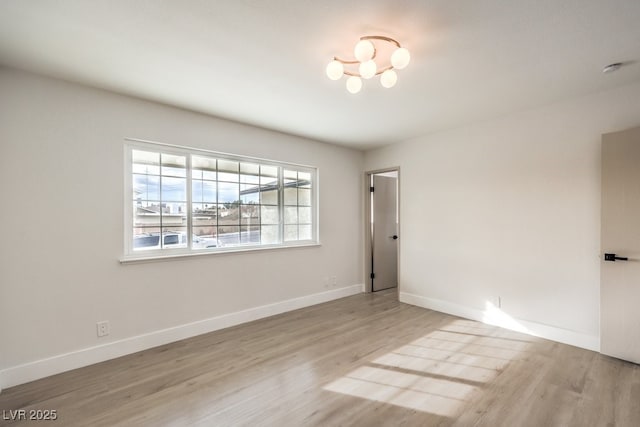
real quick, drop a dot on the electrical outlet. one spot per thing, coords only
(334, 281)
(103, 328)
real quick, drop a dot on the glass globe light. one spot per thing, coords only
(388, 79)
(335, 69)
(364, 50)
(368, 69)
(354, 84)
(400, 58)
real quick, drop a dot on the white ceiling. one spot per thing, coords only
(262, 61)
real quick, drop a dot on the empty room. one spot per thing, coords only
(322, 213)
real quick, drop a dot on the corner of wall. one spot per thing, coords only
(565, 336)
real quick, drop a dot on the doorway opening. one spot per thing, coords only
(382, 222)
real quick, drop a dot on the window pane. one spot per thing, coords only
(145, 169)
(204, 238)
(146, 239)
(203, 214)
(228, 170)
(305, 232)
(173, 165)
(269, 175)
(208, 191)
(290, 196)
(173, 189)
(146, 187)
(229, 235)
(145, 162)
(203, 167)
(290, 215)
(252, 198)
(205, 232)
(269, 197)
(228, 192)
(196, 190)
(249, 173)
(146, 157)
(146, 214)
(269, 234)
(174, 214)
(229, 214)
(250, 234)
(290, 232)
(141, 242)
(304, 197)
(304, 215)
(289, 174)
(203, 163)
(250, 214)
(249, 193)
(269, 215)
(304, 179)
(203, 191)
(176, 238)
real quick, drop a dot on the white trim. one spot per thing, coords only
(31, 371)
(565, 336)
(233, 250)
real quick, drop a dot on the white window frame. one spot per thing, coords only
(155, 254)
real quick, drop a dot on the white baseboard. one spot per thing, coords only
(496, 317)
(31, 371)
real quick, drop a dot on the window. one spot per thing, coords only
(182, 200)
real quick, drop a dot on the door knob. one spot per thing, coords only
(394, 237)
(613, 257)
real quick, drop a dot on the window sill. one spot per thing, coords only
(136, 259)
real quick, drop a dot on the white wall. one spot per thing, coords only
(510, 208)
(61, 174)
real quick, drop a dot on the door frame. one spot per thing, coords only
(368, 247)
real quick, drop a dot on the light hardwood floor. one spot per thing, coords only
(365, 360)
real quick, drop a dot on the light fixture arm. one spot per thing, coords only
(387, 39)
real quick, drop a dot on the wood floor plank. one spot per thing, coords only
(362, 360)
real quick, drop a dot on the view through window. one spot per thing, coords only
(189, 200)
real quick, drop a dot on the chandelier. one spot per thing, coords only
(364, 67)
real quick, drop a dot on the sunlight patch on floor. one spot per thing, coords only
(439, 372)
(452, 357)
(437, 396)
(437, 367)
(468, 348)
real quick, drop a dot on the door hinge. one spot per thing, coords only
(373, 275)
(371, 189)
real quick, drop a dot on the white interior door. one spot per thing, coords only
(384, 232)
(620, 239)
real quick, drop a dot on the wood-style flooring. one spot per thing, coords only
(366, 360)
